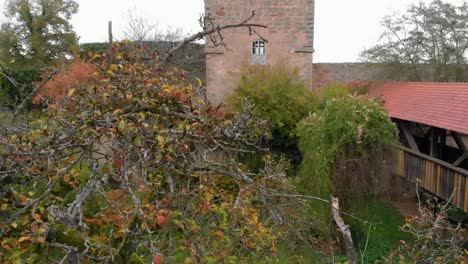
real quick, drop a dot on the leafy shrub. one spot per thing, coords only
(343, 148)
(278, 94)
(335, 90)
(57, 87)
(14, 93)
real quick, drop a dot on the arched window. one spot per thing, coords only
(259, 52)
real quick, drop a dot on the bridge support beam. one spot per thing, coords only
(409, 137)
(461, 145)
(434, 142)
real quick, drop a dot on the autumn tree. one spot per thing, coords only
(429, 41)
(133, 166)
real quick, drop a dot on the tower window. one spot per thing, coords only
(259, 47)
(259, 52)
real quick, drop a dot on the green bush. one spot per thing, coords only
(12, 94)
(335, 90)
(279, 96)
(343, 148)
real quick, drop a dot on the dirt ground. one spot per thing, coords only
(408, 206)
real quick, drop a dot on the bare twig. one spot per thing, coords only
(33, 92)
(211, 28)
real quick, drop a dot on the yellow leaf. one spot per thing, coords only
(14, 225)
(4, 206)
(111, 73)
(71, 92)
(114, 68)
(161, 140)
(118, 111)
(122, 125)
(23, 238)
(200, 83)
(166, 88)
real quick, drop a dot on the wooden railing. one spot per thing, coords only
(438, 177)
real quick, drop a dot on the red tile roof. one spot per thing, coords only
(443, 105)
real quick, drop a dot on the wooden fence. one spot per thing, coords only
(437, 177)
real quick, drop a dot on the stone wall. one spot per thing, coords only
(289, 34)
(325, 74)
(329, 73)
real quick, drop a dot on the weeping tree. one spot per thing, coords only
(344, 148)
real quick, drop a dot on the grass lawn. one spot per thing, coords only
(384, 235)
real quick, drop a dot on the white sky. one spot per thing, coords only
(343, 28)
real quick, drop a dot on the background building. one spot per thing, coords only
(288, 39)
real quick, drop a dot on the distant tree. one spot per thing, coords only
(434, 35)
(140, 29)
(38, 32)
(37, 35)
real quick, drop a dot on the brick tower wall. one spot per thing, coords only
(290, 36)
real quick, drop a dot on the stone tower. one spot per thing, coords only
(290, 38)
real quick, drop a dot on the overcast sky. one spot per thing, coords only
(343, 27)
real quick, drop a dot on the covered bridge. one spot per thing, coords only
(433, 122)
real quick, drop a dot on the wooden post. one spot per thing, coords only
(111, 38)
(434, 142)
(344, 230)
(443, 142)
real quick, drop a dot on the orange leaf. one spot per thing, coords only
(41, 240)
(24, 238)
(37, 217)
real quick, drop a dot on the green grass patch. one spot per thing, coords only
(292, 253)
(384, 236)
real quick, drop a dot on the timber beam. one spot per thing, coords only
(461, 159)
(409, 137)
(461, 145)
(434, 151)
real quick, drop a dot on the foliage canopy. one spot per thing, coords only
(39, 32)
(343, 147)
(433, 34)
(278, 94)
(133, 165)
(36, 37)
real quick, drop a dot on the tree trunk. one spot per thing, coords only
(344, 230)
